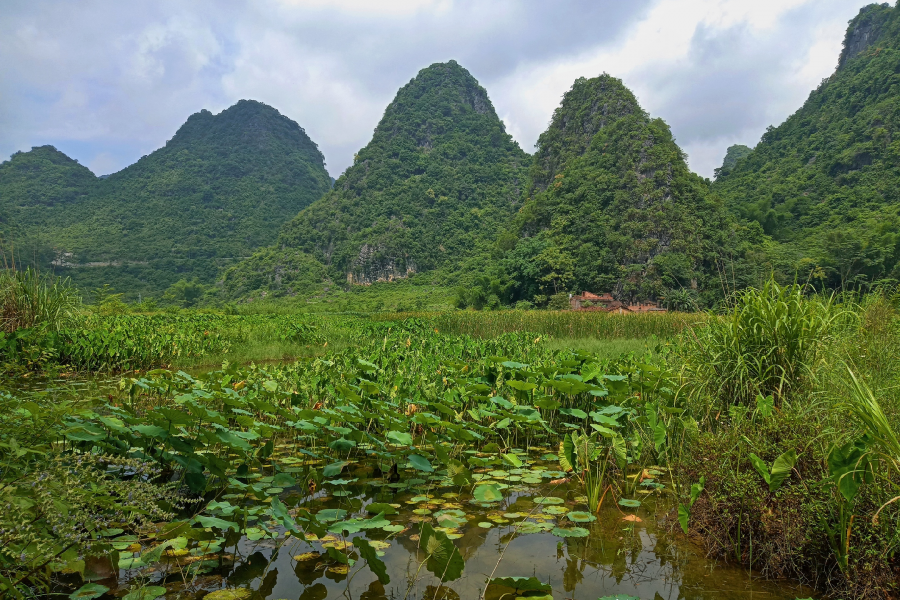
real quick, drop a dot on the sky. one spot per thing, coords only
(107, 81)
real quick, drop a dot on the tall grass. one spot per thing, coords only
(560, 324)
(770, 342)
(29, 299)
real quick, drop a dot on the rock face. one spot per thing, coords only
(864, 30)
(612, 205)
(732, 155)
(436, 183)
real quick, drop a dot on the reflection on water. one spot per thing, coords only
(634, 557)
(637, 558)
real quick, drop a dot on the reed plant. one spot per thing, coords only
(770, 341)
(29, 299)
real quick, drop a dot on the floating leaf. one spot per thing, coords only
(488, 492)
(380, 507)
(89, 591)
(629, 502)
(229, 594)
(146, 593)
(580, 516)
(574, 532)
(522, 584)
(548, 500)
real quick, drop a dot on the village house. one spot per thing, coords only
(606, 303)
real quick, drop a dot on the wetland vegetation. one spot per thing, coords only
(454, 455)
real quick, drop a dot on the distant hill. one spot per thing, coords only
(613, 207)
(437, 182)
(35, 187)
(826, 182)
(221, 187)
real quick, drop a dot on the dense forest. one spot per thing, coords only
(221, 187)
(824, 184)
(238, 206)
(438, 181)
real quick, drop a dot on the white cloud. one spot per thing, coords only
(112, 81)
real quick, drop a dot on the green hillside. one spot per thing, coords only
(35, 187)
(221, 187)
(826, 182)
(433, 188)
(613, 207)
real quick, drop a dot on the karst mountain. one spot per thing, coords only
(221, 187)
(612, 206)
(826, 182)
(435, 185)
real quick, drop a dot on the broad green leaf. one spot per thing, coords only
(444, 560)
(782, 468)
(334, 468)
(146, 593)
(684, 514)
(761, 467)
(420, 463)
(371, 556)
(89, 591)
(512, 459)
(399, 438)
(488, 492)
(522, 584)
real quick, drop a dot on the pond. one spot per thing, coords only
(540, 529)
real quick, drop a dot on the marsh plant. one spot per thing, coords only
(770, 341)
(31, 299)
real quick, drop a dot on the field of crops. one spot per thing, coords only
(458, 455)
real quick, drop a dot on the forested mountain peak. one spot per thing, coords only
(437, 181)
(613, 206)
(866, 29)
(42, 175)
(827, 180)
(588, 107)
(220, 188)
(246, 125)
(732, 155)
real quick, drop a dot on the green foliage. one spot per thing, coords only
(433, 187)
(30, 299)
(771, 341)
(220, 188)
(824, 182)
(613, 207)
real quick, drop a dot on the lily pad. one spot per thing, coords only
(488, 492)
(331, 514)
(229, 594)
(555, 510)
(629, 502)
(148, 592)
(522, 584)
(485, 525)
(380, 507)
(580, 516)
(573, 532)
(548, 500)
(308, 556)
